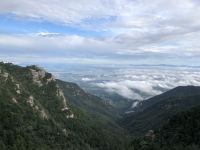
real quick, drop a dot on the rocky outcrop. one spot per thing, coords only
(64, 101)
(37, 75)
(4, 75)
(37, 108)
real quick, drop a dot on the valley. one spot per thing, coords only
(34, 104)
(99, 75)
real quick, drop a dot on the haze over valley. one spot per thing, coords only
(132, 82)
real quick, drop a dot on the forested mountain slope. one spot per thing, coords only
(181, 132)
(35, 114)
(155, 112)
(87, 102)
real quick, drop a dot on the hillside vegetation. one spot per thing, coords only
(39, 112)
(35, 114)
(153, 113)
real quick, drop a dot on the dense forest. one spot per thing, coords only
(38, 112)
(35, 114)
(182, 132)
(154, 112)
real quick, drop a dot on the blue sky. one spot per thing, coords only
(11, 24)
(100, 32)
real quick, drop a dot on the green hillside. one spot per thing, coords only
(87, 102)
(155, 112)
(38, 112)
(181, 132)
(35, 114)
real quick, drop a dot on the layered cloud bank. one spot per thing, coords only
(136, 83)
(142, 84)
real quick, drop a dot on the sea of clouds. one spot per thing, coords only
(135, 82)
(141, 84)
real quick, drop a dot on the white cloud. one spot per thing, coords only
(144, 83)
(50, 41)
(119, 88)
(57, 10)
(87, 79)
(159, 15)
(160, 29)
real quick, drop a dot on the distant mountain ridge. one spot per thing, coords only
(156, 111)
(180, 91)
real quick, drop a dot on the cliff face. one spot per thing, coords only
(36, 87)
(36, 113)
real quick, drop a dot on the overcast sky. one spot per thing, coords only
(100, 31)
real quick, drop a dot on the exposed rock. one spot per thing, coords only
(70, 116)
(64, 131)
(5, 75)
(14, 100)
(150, 135)
(17, 85)
(51, 79)
(30, 101)
(36, 107)
(42, 73)
(18, 91)
(65, 108)
(43, 114)
(37, 76)
(61, 94)
(12, 79)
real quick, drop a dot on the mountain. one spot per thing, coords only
(181, 132)
(180, 91)
(156, 111)
(117, 101)
(38, 112)
(87, 102)
(182, 129)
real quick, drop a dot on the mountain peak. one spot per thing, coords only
(190, 88)
(33, 84)
(39, 112)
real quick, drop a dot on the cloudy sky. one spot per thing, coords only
(100, 31)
